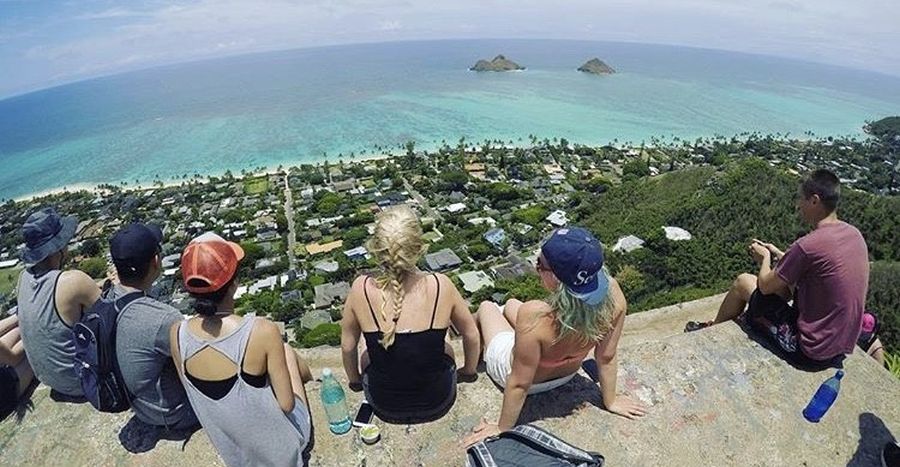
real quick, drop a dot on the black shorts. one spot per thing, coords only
(398, 413)
(775, 318)
(9, 390)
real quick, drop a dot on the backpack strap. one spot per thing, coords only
(542, 439)
(480, 456)
(126, 300)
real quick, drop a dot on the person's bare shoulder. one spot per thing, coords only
(76, 278)
(358, 287)
(266, 328)
(535, 306)
(445, 282)
(533, 315)
(618, 296)
(78, 286)
(266, 334)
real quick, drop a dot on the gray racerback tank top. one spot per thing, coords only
(47, 339)
(246, 426)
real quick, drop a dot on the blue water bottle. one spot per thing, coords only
(335, 404)
(823, 398)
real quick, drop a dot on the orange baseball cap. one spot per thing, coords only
(209, 262)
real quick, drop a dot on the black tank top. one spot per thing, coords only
(414, 374)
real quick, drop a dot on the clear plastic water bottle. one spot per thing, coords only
(823, 398)
(335, 404)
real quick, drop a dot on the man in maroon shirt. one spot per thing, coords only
(826, 272)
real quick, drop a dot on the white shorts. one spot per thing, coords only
(498, 364)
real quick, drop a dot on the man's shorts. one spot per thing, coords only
(498, 364)
(9, 390)
(774, 317)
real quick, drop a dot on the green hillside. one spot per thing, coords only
(724, 209)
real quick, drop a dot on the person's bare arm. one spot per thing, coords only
(350, 333)
(462, 320)
(526, 357)
(276, 363)
(75, 291)
(605, 353)
(767, 281)
(776, 252)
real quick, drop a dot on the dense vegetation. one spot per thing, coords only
(724, 209)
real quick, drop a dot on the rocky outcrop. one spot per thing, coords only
(716, 397)
(597, 67)
(499, 63)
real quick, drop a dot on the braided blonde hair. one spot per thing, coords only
(397, 244)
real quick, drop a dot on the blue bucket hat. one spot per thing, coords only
(46, 232)
(576, 258)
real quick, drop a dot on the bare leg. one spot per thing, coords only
(305, 372)
(491, 322)
(12, 351)
(511, 310)
(26, 375)
(736, 299)
(294, 363)
(8, 324)
(876, 351)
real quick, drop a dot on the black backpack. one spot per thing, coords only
(531, 446)
(96, 365)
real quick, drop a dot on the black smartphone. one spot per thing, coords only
(364, 415)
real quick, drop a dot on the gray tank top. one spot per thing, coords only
(47, 339)
(246, 426)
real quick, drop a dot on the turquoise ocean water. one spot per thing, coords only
(295, 106)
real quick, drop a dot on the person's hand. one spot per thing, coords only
(355, 386)
(463, 376)
(480, 432)
(776, 253)
(759, 252)
(627, 407)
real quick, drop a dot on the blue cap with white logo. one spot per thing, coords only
(576, 258)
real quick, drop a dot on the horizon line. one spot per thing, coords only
(175, 63)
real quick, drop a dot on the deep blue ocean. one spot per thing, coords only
(302, 105)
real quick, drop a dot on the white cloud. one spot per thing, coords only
(389, 26)
(111, 13)
(860, 33)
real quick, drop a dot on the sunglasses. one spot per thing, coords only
(539, 266)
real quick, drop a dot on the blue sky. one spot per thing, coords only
(48, 42)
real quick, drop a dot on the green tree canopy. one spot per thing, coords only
(94, 267)
(90, 247)
(887, 128)
(635, 168)
(532, 216)
(454, 180)
(323, 334)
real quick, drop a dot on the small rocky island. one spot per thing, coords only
(597, 67)
(499, 63)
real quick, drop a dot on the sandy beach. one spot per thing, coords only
(95, 187)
